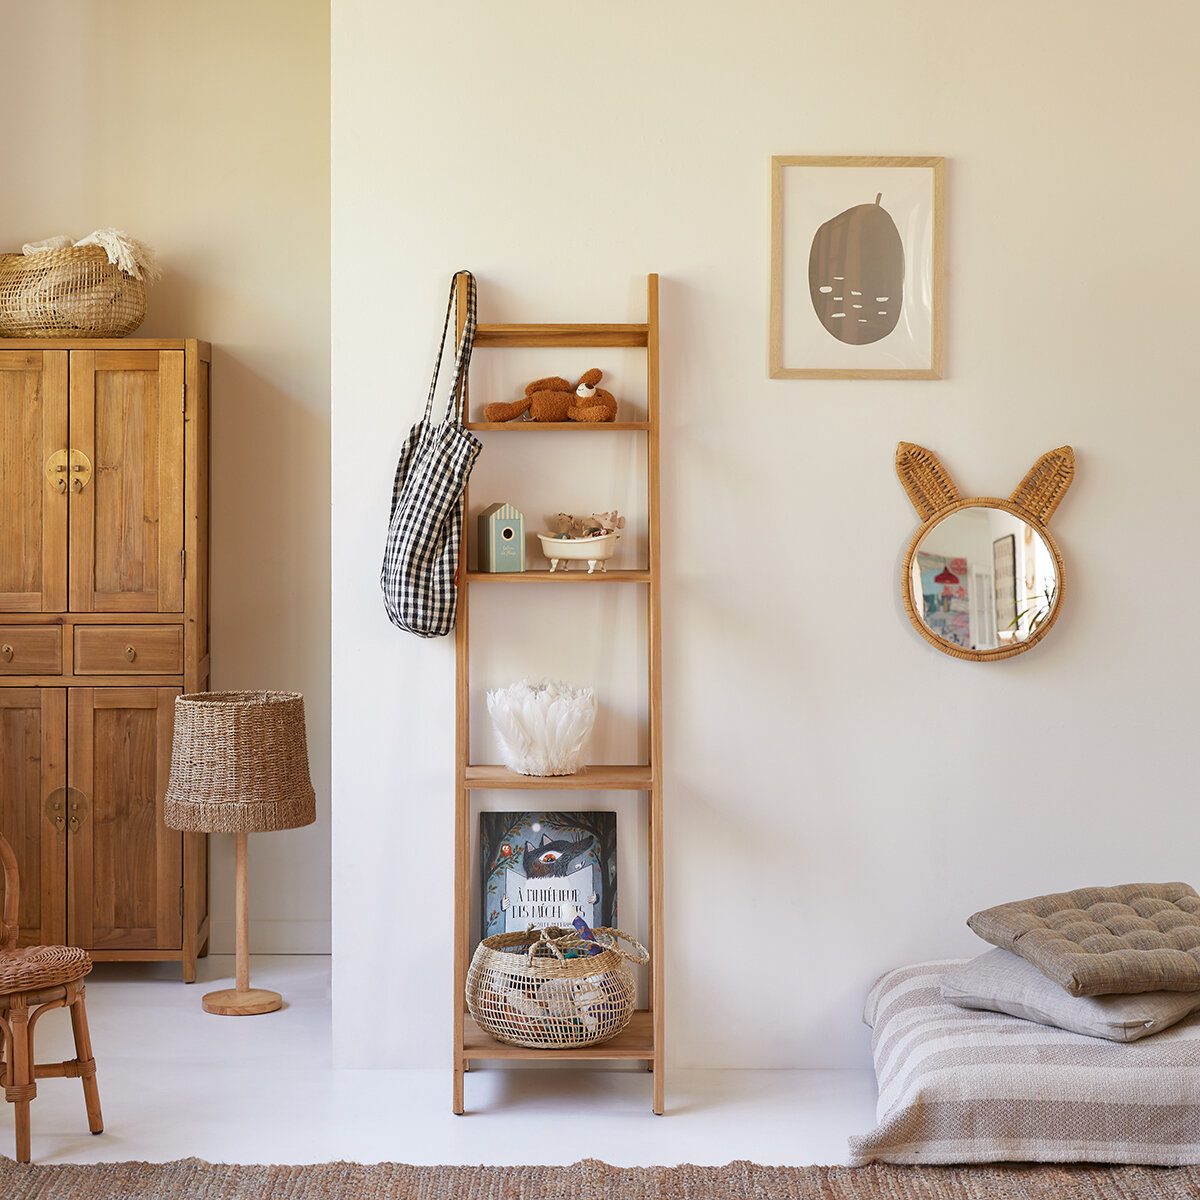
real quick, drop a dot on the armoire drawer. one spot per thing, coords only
(128, 649)
(31, 649)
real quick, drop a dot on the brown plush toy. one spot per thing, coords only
(554, 399)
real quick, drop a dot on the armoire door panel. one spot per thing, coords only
(33, 513)
(127, 522)
(125, 865)
(33, 773)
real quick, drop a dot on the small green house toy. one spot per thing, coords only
(501, 539)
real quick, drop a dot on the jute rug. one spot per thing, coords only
(192, 1179)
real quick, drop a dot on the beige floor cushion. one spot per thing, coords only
(1139, 937)
(959, 1085)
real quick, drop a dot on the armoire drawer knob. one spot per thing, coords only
(130, 654)
(6, 652)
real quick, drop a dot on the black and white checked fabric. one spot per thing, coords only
(420, 562)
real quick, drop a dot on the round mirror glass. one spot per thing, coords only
(982, 579)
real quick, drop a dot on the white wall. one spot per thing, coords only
(840, 797)
(204, 130)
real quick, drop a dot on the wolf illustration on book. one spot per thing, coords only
(553, 857)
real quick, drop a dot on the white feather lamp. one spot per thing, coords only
(542, 727)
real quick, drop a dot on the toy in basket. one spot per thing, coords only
(552, 988)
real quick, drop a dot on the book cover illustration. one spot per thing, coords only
(534, 863)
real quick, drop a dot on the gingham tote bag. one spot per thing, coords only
(420, 562)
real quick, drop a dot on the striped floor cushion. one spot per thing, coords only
(961, 1086)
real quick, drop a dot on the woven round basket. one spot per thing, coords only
(74, 292)
(527, 990)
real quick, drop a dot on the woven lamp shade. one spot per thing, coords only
(239, 763)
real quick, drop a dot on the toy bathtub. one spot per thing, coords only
(592, 550)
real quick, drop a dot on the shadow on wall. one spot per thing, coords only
(271, 529)
(271, 622)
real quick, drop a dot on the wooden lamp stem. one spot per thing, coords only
(242, 1000)
(243, 912)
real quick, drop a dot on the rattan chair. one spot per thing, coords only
(34, 980)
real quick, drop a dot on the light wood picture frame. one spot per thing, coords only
(874, 222)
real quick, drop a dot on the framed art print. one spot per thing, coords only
(856, 268)
(1004, 575)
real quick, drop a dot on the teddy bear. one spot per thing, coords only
(555, 399)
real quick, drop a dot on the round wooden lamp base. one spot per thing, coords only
(230, 1002)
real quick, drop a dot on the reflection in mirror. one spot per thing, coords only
(983, 579)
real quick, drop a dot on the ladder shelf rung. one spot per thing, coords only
(636, 1041)
(561, 335)
(595, 778)
(546, 576)
(550, 426)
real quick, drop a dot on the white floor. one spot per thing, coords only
(176, 1082)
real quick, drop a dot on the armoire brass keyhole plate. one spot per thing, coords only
(67, 807)
(69, 469)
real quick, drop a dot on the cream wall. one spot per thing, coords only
(204, 130)
(839, 796)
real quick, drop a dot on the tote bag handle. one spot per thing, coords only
(455, 402)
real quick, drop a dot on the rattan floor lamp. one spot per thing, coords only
(239, 764)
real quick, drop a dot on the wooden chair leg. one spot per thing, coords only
(86, 1063)
(20, 1088)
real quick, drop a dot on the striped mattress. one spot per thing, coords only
(963, 1086)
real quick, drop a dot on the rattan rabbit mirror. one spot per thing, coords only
(983, 578)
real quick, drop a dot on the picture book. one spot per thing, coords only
(534, 863)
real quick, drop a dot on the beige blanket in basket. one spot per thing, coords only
(124, 252)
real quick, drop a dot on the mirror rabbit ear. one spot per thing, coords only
(1046, 484)
(925, 480)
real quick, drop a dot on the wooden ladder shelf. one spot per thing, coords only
(642, 1039)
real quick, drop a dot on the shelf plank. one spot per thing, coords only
(636, 1040)
(596, 778)
(545, 576)
(561, 335)
(544, 426)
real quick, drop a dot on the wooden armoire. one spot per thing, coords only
(104, 461)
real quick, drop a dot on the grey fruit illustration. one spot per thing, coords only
(856, 274)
